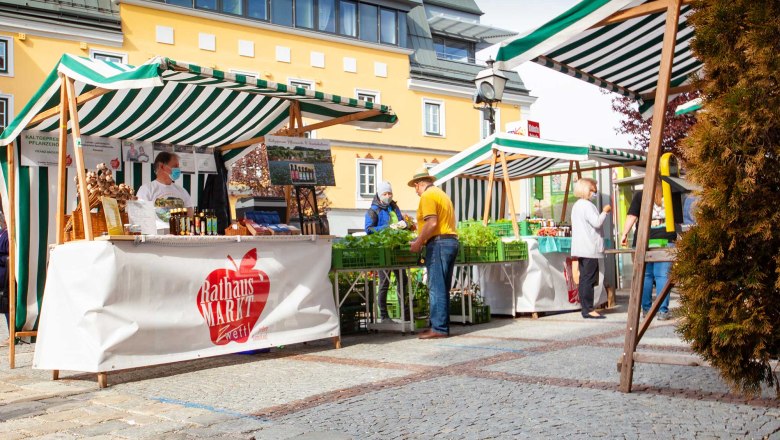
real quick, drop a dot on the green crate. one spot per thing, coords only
(534, 227)
(402, 257)
(502, 229)
(481, 314)
(512, 251)
(421, 323)
(354, 258)
(461, 257)
(481, 254)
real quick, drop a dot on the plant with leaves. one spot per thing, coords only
(634, 124)
(728, 266)
(386, 238)
(477, 235)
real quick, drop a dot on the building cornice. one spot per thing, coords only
(465, 92)
(386, 147)
(209, 15)
(60, 31)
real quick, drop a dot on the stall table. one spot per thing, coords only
(125, 302)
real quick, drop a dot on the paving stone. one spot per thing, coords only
(164, 429)
(42, 427)
(103, 428)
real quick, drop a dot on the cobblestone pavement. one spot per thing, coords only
(511, 378)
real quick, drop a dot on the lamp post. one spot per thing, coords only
(490, 89)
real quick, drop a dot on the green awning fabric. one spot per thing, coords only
(688, 107)
(541, 155)
(172, 102)
(622, 57)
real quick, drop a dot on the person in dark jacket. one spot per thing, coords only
(384, 213)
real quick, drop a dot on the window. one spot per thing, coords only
(234, 7)
(304, 14)
(454, 50)
(433, 114)
(326, 15)
(484, 122)
(185, 3)
(402, 29)
(367, 178)
(5, 111)
(388, 26)
(250, 76)
(254, 8)
(368, 23)
(368, 96)
(282, 12)
(113, 57)
(348, 18)
(6, 56)
(206, 4)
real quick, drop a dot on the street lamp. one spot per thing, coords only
(490, 89)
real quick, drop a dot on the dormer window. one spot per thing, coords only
(450, 49)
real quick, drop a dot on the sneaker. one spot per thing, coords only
(664, 316)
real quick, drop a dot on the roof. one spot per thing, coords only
(424, 64)
(689, 107)
(469, 6)
(466, 30)
(178, 103)
(623, 57)
(526, 157)
(99, 14)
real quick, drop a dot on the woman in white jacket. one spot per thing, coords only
(587, 243)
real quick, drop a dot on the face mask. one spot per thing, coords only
(175, 173)
(386, 200)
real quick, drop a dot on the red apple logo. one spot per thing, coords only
(115, 163)
(68, 160)
(231, 301)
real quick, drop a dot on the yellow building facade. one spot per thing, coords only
(431, 95)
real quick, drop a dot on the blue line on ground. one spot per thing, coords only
(478, 347)
(209, 408)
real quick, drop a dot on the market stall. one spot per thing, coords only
(173, 103)
(545, 282)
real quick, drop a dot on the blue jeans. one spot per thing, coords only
(658, 272)
(440, 262)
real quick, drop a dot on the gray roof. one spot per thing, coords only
(96, 14)
(465, 30)
(424, 64)
(469, 6)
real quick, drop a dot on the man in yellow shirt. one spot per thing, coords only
(436, 226)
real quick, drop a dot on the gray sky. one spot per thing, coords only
(567, 109)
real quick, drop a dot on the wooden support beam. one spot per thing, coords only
(102, 379)
(643, 228)
(61, 167)
(81, 99)
(492, 176)
(637, 11)
(566, 193)
(300, 130)
(76, 133)
(660, 255)
(502, 207)
(509, 158)
(512, 212)
(12, 263)
(579, 170)
(660, 296)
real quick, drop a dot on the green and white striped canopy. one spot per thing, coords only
(691, 106)
(183, 104)
(622, 57)
(526, 157)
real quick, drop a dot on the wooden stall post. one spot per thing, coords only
(505, 169)
(491, 178)
(643, 228)
(11, 224)
(76, 132)
(61, 168)
(566, 194)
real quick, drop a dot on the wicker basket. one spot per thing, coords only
(99, 225)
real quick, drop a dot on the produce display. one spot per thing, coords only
(386, 238)
(477, 235)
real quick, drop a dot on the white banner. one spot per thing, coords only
(41, 149)
(117, 305)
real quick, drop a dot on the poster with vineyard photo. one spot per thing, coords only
(299, 161)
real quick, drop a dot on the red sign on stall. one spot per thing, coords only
(533, 129)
